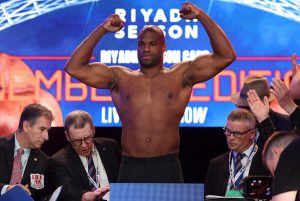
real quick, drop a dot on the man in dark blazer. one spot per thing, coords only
(240, 131)
(35, 121)
(70, 166)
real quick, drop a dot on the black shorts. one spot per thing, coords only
(162, 169)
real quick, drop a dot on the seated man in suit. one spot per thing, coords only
(87, 165)
(22, 161)
(280, 155)
(243, 158)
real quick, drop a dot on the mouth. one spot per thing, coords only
(146, 57)
(231, 144)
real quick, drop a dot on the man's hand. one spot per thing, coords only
(295, 66)
(113, 23)
(25, 188)
(189, 11)
(295, 83)
(259, 109)
(281, 92)
(95, 195)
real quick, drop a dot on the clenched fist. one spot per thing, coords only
(189, 11)
(113, 23)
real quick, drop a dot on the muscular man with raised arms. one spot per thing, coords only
(151, 100)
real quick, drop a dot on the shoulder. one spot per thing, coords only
(105, 141)
(6, 140)
(121, 70)
(180, 67)
(62, 154)
(220, 159)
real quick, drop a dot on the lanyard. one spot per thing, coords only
(96, 183)
(241, 171)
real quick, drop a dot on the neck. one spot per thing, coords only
(151, 71)
(20, 136)
(243, 149)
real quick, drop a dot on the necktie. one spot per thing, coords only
(16, 176)
(92, 171)
(237, 167)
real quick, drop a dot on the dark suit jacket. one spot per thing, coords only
(36, 164)
(218, 173)
(280, 121)
(67, 169)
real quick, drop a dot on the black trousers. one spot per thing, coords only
(161, 169)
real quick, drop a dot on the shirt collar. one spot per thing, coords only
(17, 146)
(247, 152)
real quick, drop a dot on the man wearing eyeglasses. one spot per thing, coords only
(226, 171)
(87, 165)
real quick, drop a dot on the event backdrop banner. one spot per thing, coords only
(38, 37)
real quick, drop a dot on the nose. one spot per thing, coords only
(83, 143)
(45, 135)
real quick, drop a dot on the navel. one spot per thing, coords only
(148, 139)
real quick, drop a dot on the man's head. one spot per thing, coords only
(274, 147)
(151, 46)
(80, 131)
(35, 121)
(259, 84)
(240, 130)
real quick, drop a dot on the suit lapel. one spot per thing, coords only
(256, 164)
(33, 160)
(9, 154)
(105, 159)
(75, 165)
(225, 174)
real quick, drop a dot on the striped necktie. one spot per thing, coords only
(16, 176)
(237, 167)
(92, 172)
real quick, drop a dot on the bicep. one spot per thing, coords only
(96, 75)
(205, 67)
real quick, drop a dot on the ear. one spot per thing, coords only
(26, 125)
(253, 135)
(67, 136)
(164, 47)
(276, 151)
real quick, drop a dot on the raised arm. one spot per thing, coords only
(295, 82)
(207, 66)
(96, 74)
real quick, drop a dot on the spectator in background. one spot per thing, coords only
(22, 161)
(281, 92)
(281, 157)
(87, 165)
(295, 82)
(225, 172)
(261, 86)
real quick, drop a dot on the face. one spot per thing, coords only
(78, 134)
(36, 134)
(150, 49)
(240, 144)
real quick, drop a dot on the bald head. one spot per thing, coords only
(153, 29)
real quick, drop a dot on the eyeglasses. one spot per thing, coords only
(237, 134)
(87, 140)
